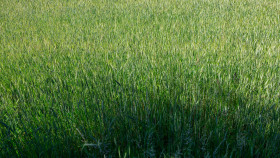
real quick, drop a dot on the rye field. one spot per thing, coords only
(139, 78)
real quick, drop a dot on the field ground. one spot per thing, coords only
(140, 78)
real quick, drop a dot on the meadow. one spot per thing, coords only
(140, 78)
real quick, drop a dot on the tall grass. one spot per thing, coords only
(140, 78)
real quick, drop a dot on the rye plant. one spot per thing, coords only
(140, 78)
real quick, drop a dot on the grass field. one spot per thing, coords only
(140, 78)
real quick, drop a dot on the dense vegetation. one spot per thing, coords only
(140, 78)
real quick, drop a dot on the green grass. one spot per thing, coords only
(140, 78)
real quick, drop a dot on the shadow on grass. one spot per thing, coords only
(121, 120)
